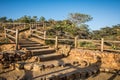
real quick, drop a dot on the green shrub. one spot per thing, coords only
(49, 42)
(87, 44)
(4, 40)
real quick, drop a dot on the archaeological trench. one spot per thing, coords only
(36, 61)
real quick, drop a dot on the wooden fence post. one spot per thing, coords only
(76, 41)
(44, 25)
(24, 25)
(30, 30)
(36, 26)
(44, 35)
(5, 32)
(102, 44)
(56, 42)
(17, 38)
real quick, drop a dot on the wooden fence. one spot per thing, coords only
(76, 41)
(37, 33)
(13, 37)
(42, 35)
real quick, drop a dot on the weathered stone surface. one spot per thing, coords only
(108, 59)
(28, 66)
(65, 50)
(38, 67)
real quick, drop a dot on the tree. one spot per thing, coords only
(42, 19)
(109, 33)
(3, 19)
(24, 19)
(34, 19)
(78, 18)
(78, 21)
(10, 20)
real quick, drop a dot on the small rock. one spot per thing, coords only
(28, 66)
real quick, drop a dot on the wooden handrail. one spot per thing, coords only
(50, 39)
(16, 38)
(111, 50)
(37, 36)
(75, 40)
(112, 41)
(10, 30)
(65, 39)
(10, 36)
(39, 32)
(89, 40)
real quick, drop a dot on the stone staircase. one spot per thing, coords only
(44, 52)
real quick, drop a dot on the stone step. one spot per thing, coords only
(30, 45)
(34, 47)
(43, 51)
(49, 57)
(26, 41)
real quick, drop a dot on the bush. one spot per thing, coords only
(87, 44)
(4, 40)
(49, 42)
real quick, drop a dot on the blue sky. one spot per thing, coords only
(104, 12)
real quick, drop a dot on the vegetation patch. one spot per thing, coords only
(87, 44)
(4, 40)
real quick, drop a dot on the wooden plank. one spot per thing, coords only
(10, 30)
(65, 39)
(88, 48)
(111, 50)
(48, 57)
(50, 39)
(56, 42)
(75, 42)
(38, 31)
(102, 44)
(5, 32)
(10, 36)
(30, 45)
(38, 36)
(112, 41)
(88, 40)
(38, 47)
(59, 39)
(44, 35)
(42, 51)
(17, 38)
(39, 50)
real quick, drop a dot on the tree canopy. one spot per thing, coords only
(73, 26)
(78, 18)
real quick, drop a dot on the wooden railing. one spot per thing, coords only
(38, 34)
(14, 36)
(42, 35)
(76, 43)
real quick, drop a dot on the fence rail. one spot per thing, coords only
(15, 37)
(76, 41)
(42, 35)
(10, 36)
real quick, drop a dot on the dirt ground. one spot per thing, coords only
(33, 72)
(30, 75)
(36, 74)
